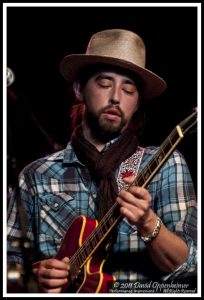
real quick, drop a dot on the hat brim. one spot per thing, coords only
(72, 64)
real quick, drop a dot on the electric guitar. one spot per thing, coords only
(85, 236)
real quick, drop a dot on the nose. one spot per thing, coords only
(114, 101)
(114, 96)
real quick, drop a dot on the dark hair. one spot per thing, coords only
(76, 114)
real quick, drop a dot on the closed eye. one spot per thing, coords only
(105, 83)
(129, 88)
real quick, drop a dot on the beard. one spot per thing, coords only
(104, 129)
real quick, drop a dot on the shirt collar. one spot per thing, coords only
(68, 155)
(107, 145)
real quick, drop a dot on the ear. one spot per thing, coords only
(77, 90)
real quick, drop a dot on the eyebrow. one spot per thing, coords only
(106, 76)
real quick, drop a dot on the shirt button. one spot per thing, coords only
(55, 206)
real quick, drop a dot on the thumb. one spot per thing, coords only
(129, 179)
(66, 260)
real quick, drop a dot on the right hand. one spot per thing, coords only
(52, 274)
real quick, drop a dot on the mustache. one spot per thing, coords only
(114, 109)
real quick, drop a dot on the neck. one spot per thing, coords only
(91, 138)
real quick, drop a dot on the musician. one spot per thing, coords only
(156, 237)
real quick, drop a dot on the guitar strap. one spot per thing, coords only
(130, 167)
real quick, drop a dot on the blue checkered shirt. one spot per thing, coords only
(58, 188)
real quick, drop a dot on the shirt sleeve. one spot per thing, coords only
(20, 213)
(177, 206)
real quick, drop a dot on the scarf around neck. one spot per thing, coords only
(102, 165)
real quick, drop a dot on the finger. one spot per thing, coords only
(134, 195)
(52, 283)
(54, 264)
(139, 208)
(53, 273)
(126, 197)
(128, 203)
(140, 192)
(129, 179)
(66, 261)
(133, 216)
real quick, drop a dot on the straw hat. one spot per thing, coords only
(116, 47)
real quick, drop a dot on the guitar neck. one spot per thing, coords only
(164, 151)
(113, 216)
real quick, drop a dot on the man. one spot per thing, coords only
(156, 236)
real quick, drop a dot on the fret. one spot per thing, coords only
(159, 158)
(141, 178)
(113, 214)
(109, 221)
(86, 247)
(173, 137)
(162, 150)
(154, 163)
(97, 238)
(80, 258)
(74, 265)
(93, 242)
(170, 141)
(100, 232)
(105, 225)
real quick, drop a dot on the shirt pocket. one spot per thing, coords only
(57, 212)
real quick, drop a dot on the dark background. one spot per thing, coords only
(39, 100)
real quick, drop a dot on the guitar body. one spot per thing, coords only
(94, 281)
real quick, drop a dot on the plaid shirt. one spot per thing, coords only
(58, 188)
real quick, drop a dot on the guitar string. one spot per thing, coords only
(95, 232)
(92, 236)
